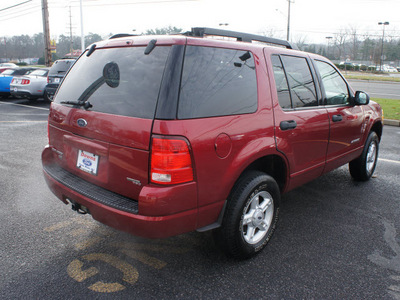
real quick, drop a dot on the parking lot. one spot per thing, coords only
(336, 238)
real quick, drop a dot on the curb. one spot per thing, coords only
(391, 122)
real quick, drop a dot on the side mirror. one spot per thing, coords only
(361, 98)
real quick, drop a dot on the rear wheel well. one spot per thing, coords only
(272, 165)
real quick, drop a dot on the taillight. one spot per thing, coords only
(171, 162)
(13, 80)
(25, 81)
(48, 80)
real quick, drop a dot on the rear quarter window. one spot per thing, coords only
(217, 82)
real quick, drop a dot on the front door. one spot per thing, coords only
(346, 120)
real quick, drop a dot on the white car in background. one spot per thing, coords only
(30, 86)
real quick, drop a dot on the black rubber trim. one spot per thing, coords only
(91, 190)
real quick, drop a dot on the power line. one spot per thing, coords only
(75, 3)
(13, 15)
(15, 5)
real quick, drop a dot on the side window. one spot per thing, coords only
(217, 82)
(301, 83)
(282, 87)
(335, 87)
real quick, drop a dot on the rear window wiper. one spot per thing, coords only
(85, 104)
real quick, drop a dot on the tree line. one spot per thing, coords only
(344, 45)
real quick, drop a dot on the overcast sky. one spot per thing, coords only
(312, 20)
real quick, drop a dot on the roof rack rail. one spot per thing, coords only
(119, 35)
(240, 36)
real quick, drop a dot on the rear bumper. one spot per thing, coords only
(118, 211)
(24, 94)
(51, 89)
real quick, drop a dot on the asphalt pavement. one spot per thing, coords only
(377, 89)
(336, 238)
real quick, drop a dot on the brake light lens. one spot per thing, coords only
(25, 81)
(171, 162)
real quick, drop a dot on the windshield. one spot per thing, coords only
(121, 81)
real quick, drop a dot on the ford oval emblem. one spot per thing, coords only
(81, 122)
(87, 162)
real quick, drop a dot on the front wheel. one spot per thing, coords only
(363, 167)
(250, 217)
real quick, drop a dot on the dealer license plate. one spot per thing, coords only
(87, 162)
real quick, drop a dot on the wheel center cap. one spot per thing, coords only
(258, 217)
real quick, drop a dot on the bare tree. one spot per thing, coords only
(340, 41)
(352, 34)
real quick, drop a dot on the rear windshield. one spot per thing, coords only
(121, 81)
(60, 67)
(39, 73)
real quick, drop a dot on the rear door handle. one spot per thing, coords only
(286, 125)
(337, 118)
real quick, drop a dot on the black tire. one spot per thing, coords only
(250, 217)
(47, 97)
(362, 168)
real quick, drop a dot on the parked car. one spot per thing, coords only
(6, 66)
(7, 76)
(56, 75)
(162, 135)
(31, 86)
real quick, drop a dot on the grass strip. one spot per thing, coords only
(391, 108)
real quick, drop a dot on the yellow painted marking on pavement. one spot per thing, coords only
(389, 160)
(102, 287)
(88, 243)
(78, 232)
(131, 275)
(75, 271)
(146, 259)
(61, 225)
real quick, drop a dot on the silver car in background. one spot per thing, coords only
(30, 86)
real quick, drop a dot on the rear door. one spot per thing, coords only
(301, 125)
(106, 141)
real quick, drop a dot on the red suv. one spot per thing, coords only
(159, 136)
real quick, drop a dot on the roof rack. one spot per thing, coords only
(119, 35)
(240, 36)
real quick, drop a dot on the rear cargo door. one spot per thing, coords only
(102, 116)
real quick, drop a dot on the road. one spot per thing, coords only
(336, 238)
(389, 90)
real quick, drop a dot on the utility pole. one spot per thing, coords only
(71, 43)
(383, 38)
(82, 36)
(288, 19)
(46, 33)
